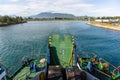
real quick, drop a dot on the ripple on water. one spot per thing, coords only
(20, 40)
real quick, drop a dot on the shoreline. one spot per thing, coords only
(105, 25)
(3, 25)
(54, 20)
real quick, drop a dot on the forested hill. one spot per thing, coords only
(53, 15)
(7, 20)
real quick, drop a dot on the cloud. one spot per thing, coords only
(12, 9)
(106, 11)
(14, 0)
(101, 10)
(77, 7)
(64, 6)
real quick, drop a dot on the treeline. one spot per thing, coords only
(7, 20)
(56, 18)
(45, 19)
(87, 18)
(104, 17)
(81, 18)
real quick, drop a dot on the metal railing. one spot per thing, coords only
(11, 73)
(113, 70)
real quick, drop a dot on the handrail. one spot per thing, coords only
(71, 56)
(117, 69)
(102, 73)
(109, 63)
(10, 69)
(103, 59)
(113, 70)
(29, 55)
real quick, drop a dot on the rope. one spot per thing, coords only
(102, 73)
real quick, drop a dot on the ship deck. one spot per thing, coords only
(25, 72)
(61, 49)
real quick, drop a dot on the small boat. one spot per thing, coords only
(34, 67)
(98, 67)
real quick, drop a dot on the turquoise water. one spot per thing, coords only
(16, 41)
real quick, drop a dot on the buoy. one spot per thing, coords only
(50, 42)
(73, 39)
(105, 65)
(50, 37)
(43, 60)
(100, 66)
(73, 43)
(72, 36)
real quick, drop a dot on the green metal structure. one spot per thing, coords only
(61, 50)
(24, 72)
(99, 68)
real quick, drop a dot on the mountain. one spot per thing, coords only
(53, 15)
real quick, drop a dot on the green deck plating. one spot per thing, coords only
(26, 73)
(61, 50)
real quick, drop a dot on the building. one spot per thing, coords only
(102, 20)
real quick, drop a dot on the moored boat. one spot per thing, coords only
(98, 67)
(33, 67)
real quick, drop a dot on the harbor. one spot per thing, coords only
(61, 62)
(20, 47)
(59, 40)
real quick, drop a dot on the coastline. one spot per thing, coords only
(6, 24)
(105, 25)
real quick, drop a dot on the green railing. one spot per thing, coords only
(107, 69)
(11, 72)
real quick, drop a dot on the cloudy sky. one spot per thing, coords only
(76, 7)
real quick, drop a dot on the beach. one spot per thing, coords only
(105, 25)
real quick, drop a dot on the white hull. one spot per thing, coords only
(89, 76)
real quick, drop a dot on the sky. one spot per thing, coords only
(75, 7)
